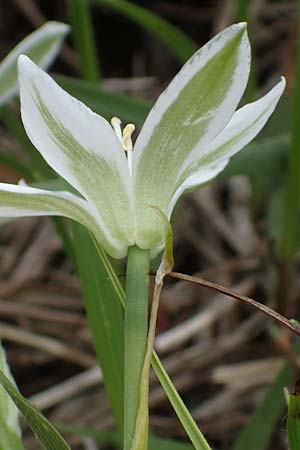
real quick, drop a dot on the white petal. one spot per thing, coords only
(42, 46)
(24, 201)
(244, 125)
(79, 145)
(195, 107)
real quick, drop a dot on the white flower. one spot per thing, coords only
(187, 139)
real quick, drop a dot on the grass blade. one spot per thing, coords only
(10, 432)
(257, 434)
(294, 421)
(292, 198)
(175, 40)
(181, 410)
(105, 318)
(82, 31)
(45, 432)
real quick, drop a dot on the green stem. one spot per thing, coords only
(243, 14)
(181, 410)
(136, 328)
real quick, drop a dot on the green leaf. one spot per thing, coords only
(179, 43)
(181, 410)
(41, 46)
(257, 434)
(292, 196)
(82, 32)
(10, 432)
(106, 103)
(104, 314)
(45, 432)
(294, 421)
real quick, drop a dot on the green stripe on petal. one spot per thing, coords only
(190, 113)
(24, 201)
(42, 46)
(81, 146)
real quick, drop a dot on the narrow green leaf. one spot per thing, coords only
(105, 318)
(242, 9)
(257, 434)
(292, 198)
(178, 42)
(106, 103)
(181, 410)
(82, 31)
(41, 46)
(45, 432)
(10, 432)
(294, 421)
(242, 14)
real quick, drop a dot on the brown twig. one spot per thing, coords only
(249, 301)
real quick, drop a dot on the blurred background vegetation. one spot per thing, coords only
(229, 363)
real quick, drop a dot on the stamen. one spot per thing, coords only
(124, 138)
(127, 132)
(127, 144)
(116, 124)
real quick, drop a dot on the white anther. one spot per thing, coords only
(127, 133)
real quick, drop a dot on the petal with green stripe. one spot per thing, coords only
(81, 146)
(192, 111)
(24, 201)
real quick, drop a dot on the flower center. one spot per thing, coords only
(125, 138)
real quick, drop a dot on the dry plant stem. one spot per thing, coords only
(249, 301)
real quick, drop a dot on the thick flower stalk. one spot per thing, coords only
(187, 139)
